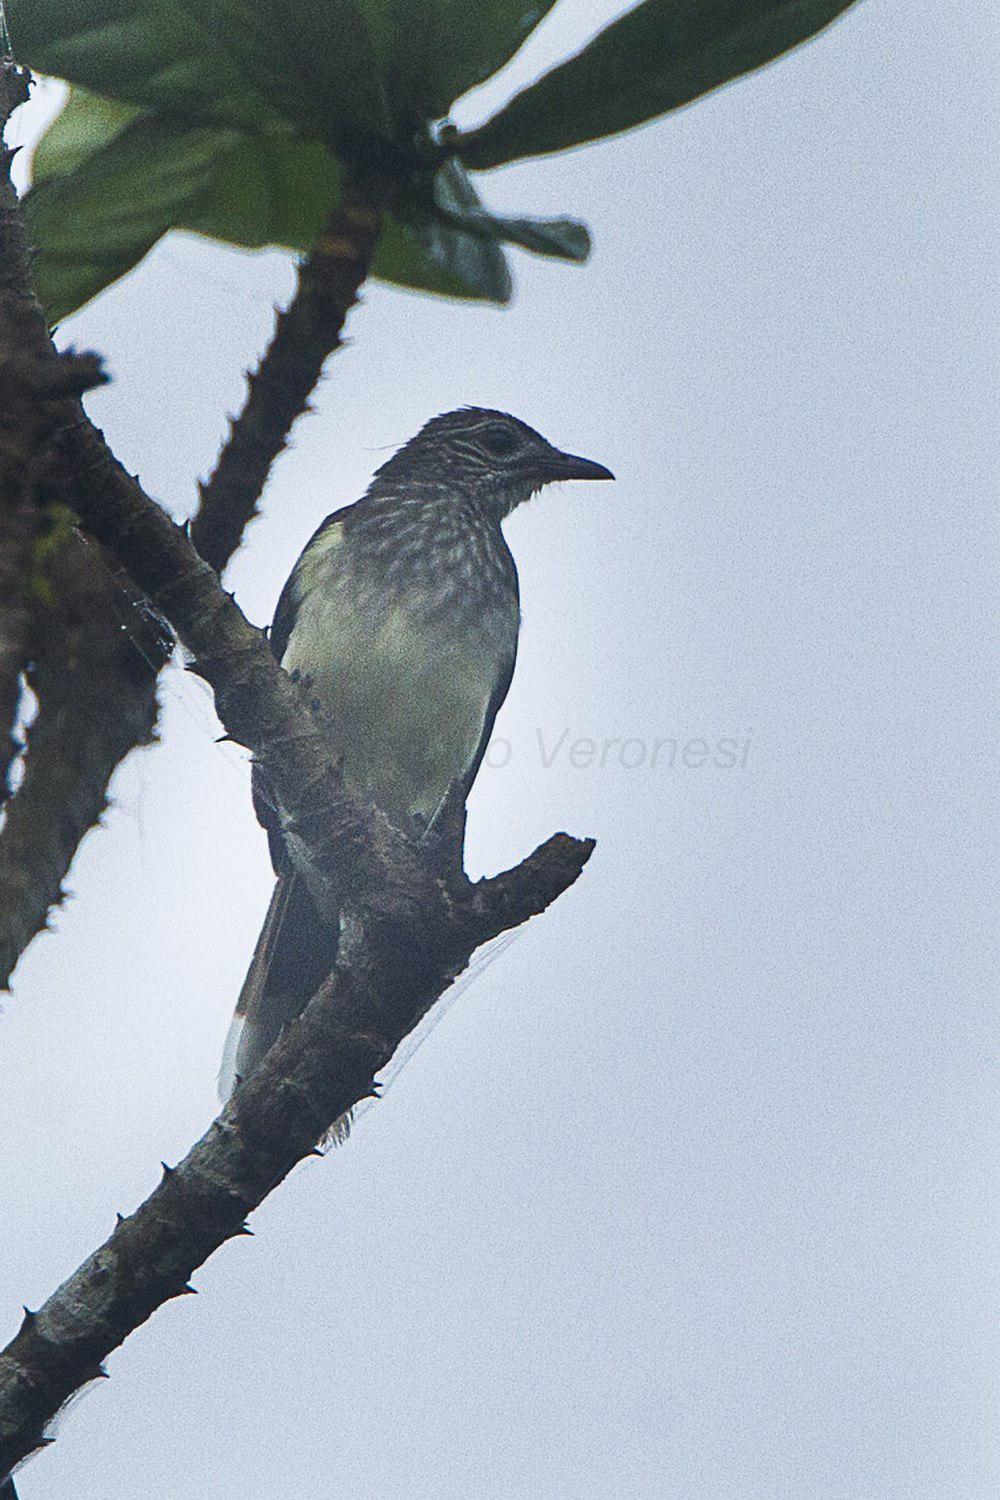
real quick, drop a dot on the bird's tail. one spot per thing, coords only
(294, 954)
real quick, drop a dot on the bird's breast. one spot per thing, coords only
(404, 677)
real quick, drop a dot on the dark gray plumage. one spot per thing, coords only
(400, 619)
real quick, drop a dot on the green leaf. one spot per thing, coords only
(275, 190)
(280, 191)
(563, 239)
(658, 57)
(359, 74)
(93, 225)
(95, 222)
(314, 61)
(435, 218)
(85, 124)
(146, 52)
(432, 51)
(559, 239)
(404, 258)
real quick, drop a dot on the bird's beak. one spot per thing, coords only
(570, 466)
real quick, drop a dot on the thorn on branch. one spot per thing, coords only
(52, 378)
(279, 389)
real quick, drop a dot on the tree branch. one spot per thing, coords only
(411, 921)
(19, 511)
(259, 705)
(278, 391)
(61, 611)
(93, 672)
(322, 1066)
(19, 519)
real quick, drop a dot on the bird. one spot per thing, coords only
(400, 622)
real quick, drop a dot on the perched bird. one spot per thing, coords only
(400, 619)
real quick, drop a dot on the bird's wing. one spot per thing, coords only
(281, 628)
(288, 603)
(500, 690)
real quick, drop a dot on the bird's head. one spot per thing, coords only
(487, 456)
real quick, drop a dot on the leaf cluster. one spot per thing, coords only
(238, 119)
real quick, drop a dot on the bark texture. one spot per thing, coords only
(93, 670)
(19, 505)
(19, 521)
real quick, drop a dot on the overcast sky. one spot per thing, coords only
(693, 1191)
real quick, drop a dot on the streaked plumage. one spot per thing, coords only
(400, 619)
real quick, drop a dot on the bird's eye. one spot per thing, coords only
(499, 441)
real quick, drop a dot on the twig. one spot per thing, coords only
(278, 391)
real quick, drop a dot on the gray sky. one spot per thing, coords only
(693, 1192)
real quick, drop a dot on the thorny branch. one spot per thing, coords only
(406, 955)
(278, 391)
(54, 608)
(19, 507)
(411, 922)
(93, 670)
(19, 521)
(60, 610)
